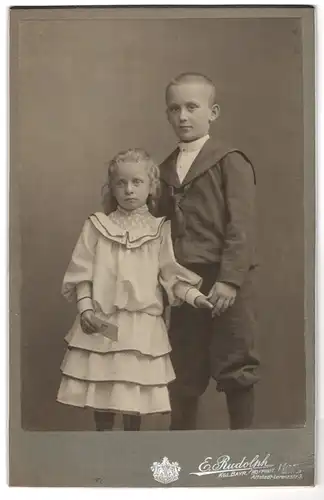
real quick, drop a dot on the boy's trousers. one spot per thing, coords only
(221, 347)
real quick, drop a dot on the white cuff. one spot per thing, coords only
(191, 296)
(84, 296)
(84, 289)
(84, 304)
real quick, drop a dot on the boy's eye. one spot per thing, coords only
(173, 109)
(192, 106)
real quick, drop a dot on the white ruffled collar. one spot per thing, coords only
(128, 228)
(140, 219)
(131, 213)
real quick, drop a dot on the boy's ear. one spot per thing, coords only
(215, 112)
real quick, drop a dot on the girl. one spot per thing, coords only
(119, 265)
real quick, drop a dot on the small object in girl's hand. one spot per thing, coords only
(107, 329)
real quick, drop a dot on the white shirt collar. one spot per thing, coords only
(193, 146)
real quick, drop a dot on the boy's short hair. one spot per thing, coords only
(194, 77)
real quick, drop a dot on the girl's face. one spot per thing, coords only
(131, 185)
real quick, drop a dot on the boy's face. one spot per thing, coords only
(131, 185)
(190, 111)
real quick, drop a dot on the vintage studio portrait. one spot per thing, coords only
(161, 224)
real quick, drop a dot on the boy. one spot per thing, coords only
(208, 192)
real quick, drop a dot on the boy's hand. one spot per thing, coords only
(203, 303)
(222, 296)
(89, 322)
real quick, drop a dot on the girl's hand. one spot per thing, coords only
(222, 296)
(203, 303)
(89, 322)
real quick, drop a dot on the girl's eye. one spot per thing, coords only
(137, 181)
(173, 109)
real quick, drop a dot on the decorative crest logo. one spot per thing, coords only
(165, 472)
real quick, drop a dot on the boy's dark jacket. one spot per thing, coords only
(213, 211)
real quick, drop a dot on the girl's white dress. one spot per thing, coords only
(119, 266)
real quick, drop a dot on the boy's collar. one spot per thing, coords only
(208, 156)
(192, 146)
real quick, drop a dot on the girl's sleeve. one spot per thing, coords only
(180, 284)
(77, 281)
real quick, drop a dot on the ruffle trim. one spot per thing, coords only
(132, 238)
(115, 396)
(119, 366)
(140, 332)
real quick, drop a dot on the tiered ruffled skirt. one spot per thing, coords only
(129, 375)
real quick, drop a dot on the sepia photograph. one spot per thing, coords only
(162, 186)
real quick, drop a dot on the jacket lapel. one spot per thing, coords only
(208, 156)
(168, 170)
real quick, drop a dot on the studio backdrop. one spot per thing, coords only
(90, 88)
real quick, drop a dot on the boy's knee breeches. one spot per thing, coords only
(221, 348)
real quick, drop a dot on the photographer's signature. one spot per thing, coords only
(257, 468)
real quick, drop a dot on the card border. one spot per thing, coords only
(47, 466)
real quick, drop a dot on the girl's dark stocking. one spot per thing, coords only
(104, 420)
(132, 422)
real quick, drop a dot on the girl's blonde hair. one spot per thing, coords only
(135, 155)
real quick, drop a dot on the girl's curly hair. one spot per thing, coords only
(135, 155)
